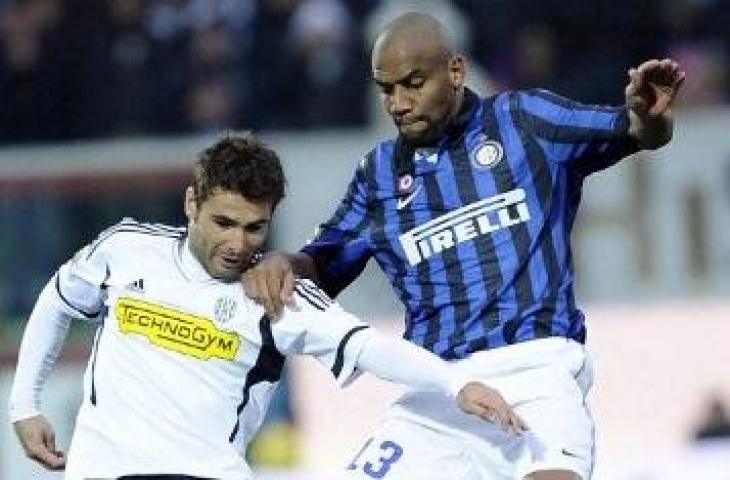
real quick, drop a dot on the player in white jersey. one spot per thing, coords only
(184, 364)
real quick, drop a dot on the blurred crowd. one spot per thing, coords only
(96, 68)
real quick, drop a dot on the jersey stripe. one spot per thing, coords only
(543, 264)
(314, 290)
(313, 295)
(68, 302)
(129, 225)
(394, 169)
(268, 367)
(340, 356)
(94, 355)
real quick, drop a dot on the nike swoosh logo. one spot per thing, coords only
(569, 454)
(404, 201)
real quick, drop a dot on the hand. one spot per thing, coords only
(270, 283)
(652, 87)
(477, 399)
(38, 440)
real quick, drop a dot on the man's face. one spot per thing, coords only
(225, 231)
(418, 91)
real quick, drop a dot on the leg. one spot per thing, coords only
(560, 444)
(405, 450)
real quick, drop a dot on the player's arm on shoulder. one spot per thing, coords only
(649, 95)
(270, 282)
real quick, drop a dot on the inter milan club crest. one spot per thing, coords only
(224, 310)
(488, 154)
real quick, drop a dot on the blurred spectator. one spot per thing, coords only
(88, 68)
(696, 43)
(27, 33)
(715, 423)
(319, 34)
(123, 94)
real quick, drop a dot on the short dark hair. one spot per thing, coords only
(239, 162)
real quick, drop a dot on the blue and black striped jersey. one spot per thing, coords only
(473, 233)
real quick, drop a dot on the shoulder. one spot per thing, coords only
(313, 296)
(129, 233)
(501, 106)
(379, 154)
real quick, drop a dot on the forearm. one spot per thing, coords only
(397, 360)
(303, 266)
(651, 133)
(42, 341)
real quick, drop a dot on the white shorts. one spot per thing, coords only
(425, 436)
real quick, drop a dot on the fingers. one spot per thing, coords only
(287, 289)
(272, 298)
(47, 456)
(487, 403)
(653, 86)
(506, 417)
(270, 284)
(39, 443)
(50, 460)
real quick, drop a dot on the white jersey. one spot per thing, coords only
(183, 366)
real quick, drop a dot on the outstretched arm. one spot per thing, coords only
(42, 341)
(321, 328)
(74, 292)
(397, 360)
(649, 95)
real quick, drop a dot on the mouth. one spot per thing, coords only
(405, 121)
(231, 261)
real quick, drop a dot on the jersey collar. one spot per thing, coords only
(190, 266)
(404, 152)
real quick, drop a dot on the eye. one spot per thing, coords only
(255, 228)
(385, 89)
(223, 222)
(416, 82)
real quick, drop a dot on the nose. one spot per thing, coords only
(400, 101)
(238, 241)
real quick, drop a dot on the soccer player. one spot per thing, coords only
(468, 212)
(183, 364)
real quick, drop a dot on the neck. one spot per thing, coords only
(454, 111)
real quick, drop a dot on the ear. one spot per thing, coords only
(457, 71)
(191, 204)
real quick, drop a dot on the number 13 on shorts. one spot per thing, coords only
(384, 457)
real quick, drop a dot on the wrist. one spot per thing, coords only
(457, 384)
(18, 413)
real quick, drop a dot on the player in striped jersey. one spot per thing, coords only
(468, 213)
(183, 364)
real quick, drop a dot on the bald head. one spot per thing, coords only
(414, 35)
(420, 77)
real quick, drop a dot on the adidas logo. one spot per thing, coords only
(137, 285)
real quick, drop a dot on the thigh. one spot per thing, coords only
(562, 432)
(401, 449)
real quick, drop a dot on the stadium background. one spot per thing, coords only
(104, 104)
